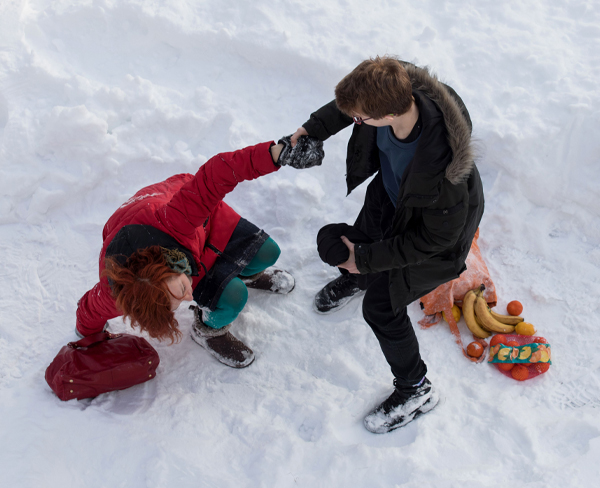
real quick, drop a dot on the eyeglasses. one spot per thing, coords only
(360, 120)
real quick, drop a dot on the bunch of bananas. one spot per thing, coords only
(483, 321)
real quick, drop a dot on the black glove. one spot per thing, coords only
(332, 249)
(307, 153)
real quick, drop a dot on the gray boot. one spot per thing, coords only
(221, 343)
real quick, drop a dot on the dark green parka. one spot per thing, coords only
(440, 202)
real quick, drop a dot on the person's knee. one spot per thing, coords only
(230, 304)
(269, 253)
(266, 256)
(377, 312)
(368, 305)
(377, 299)
(235, 296)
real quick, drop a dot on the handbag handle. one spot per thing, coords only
(93, 339)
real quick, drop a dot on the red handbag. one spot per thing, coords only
(100, 363)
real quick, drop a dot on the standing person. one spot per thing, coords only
(177, 240)
(420, 214)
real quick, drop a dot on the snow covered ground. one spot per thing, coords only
(101, 97)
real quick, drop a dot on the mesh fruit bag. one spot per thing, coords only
(452, 293)
(526, 357)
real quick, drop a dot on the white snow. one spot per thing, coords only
(99, 98)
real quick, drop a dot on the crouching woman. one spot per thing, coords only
(178, 241)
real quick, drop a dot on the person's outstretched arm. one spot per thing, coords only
(323, 123)
(193, 203)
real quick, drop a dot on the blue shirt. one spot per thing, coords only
(395, 157)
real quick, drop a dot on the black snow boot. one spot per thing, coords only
(337, 293)
(402, 406)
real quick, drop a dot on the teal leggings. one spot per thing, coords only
(235, 295)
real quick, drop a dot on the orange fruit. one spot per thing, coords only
(541, 367)
(520, 372)
(525, 328)
(455, 314)
(512, 344)
(475, 349)
(541, 340)
(505, 366)
(498, 339)
(514, 308)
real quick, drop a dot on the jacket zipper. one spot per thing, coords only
(214, 249)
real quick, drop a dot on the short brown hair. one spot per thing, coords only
(377, 87)
(141, 293)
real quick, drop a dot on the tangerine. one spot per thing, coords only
(514, 308)
(512, 344)
(505, 366)
(455, 313)
(498, 339)
(525, 328)
(541, 367)
(475, 349)
(540, 340)
(520, 372)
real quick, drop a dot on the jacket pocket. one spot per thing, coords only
(447, 223)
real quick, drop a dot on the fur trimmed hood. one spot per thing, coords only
(458, 127)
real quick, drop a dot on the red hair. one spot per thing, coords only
(141, 292)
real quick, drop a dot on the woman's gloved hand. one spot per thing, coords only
(308, 152)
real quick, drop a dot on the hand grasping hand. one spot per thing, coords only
(300, 132)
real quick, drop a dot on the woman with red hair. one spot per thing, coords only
(178, 241)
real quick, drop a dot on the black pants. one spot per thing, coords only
(395, 333)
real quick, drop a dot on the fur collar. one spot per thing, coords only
(459, 132)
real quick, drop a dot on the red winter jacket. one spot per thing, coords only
(179, 207)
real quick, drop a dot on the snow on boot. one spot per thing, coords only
(273, 280)
(221, 343)
(337, 293)
(402, 406)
